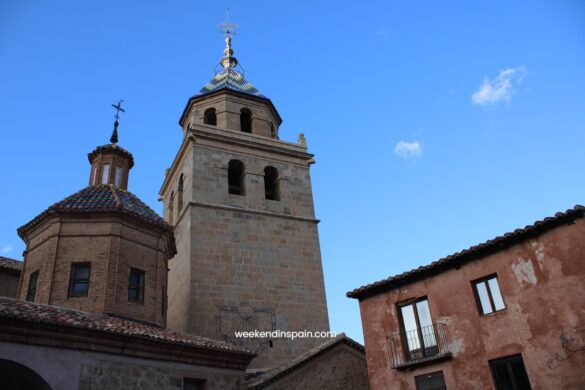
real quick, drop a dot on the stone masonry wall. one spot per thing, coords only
(253, 263)
(67, 369)
(342, 367)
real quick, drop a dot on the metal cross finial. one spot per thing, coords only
(227, 27)
(118, 108)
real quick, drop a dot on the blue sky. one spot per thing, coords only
(435, 125)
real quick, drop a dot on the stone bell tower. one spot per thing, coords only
(242, 206)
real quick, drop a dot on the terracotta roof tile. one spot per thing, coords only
(101, 199)
(10, 265)
(29, 312)
(469, 254)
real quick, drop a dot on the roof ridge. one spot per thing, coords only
(462, 256)
(116, 197)
(272, 375)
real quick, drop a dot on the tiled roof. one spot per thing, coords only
(101, 199)
(29, 312)
(111, 148)
(271, 376)
(232, 80)
(473, 253)
(10, 265)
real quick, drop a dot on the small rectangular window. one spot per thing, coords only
(510, 373)
(31, 291)
(136, 286)
(432, 381)
(488, 295)
(105, 173)
(79, 279)
(193, 384)
(118, 177)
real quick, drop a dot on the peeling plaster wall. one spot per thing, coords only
(541, 281)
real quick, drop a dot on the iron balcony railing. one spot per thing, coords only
(418, 346)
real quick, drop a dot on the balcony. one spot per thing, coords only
(418, 347)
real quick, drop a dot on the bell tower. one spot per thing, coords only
(240, 200)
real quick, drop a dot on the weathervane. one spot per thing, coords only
(118, 107)
(227, 27)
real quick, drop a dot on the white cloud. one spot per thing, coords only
(6, 248)
(408, 150)
(500, 88)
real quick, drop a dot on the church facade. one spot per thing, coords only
(111, 295)
(240, 199)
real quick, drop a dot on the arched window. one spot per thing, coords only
(170, 208)
(209, 117)
(180, 195)
(246, 120)
(236, 177)
(271, 189)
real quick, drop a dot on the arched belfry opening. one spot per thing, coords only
(246, 120)
(271, 190)
(210, 117)
(17, 376)
(236, 177)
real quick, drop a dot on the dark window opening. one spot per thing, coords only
(246, 120)
(136, 286)
(193, 384)
(487, 294)
(417, 328)
(79, 279)
(510, 373)
(271, 180)
(171, 207)
(236, 177)
(180, 195)
(209, 117)
(432, 381)
(31, 291)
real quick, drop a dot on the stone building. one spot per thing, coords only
(92, 304)
(505, 314)
(105, 279)
(9, 276)
(242, 206)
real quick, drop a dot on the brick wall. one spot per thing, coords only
(9, 284)
(112, 246)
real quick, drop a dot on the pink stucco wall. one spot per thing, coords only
(542, 283)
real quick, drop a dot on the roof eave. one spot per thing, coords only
(195, 98)
(476, 252)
